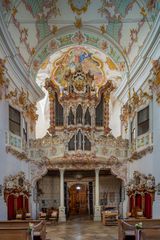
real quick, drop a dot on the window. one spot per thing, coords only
(71, 117)
(25, 130)
(79, 142)
(143, 121)
(14, 121)
(87, 144)
(87, 117)
(79, 114)
(99, 113)
(71, 144)
(58, 112)
(133, 130)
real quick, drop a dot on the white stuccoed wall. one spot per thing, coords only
(9, 164)
(140, 72)
(156, 155)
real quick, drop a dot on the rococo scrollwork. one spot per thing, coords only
(155, 83)
(21, 99)
(136, 100)
(16, 184)
(141, 183)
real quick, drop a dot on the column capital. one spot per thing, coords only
(97, 170)
(61, 170)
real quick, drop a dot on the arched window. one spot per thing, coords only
(79, 114)
(87, 144)
(71, 144)
(70, 117)
(79, 141)
(99, 113)
(58, 112)
(87, 117)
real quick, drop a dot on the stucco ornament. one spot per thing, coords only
(141, 183)
(4, 82)
(2, 71)
(16, 184)
(79, 7)
(21, 100)
(136, 100)
(155, 83)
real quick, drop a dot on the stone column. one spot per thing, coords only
(97, 207)
(62, 215)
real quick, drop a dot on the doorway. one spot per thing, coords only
(78, 199)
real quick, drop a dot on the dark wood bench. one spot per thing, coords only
(127, 230)
(19, 230)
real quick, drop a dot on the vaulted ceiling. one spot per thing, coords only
(118, 28)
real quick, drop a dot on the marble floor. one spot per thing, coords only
(81, 229)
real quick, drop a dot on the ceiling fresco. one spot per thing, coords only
(88, 59)
(39, 27)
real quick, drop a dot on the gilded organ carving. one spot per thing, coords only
(78, 99)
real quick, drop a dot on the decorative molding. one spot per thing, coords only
(39, 169)
(138, 155)
(78, 23)
(14, 61)
(4, 82)
(66, 37)
(137, 100)
(79, 8)
(16, 153)
(141, 183)
(155, 83)
(108, 89)
(17, 185)
(20, 99)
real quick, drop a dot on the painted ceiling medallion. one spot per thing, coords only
(79, 6)
(81, 60)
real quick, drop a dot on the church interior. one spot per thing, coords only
(79, 119)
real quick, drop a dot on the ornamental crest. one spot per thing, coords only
(79, 7)
(16, 184)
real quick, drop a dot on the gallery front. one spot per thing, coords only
(79, 193)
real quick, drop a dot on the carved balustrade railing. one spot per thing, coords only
(144, 141)
(14, 141)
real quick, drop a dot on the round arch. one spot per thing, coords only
(70, 37)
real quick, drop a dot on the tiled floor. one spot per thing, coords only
(81, 229)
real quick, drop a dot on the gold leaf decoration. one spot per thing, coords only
(78, 23)
(79, 7)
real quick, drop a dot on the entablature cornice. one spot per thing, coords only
(38, 169)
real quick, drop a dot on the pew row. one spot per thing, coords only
(20, 230)
(150, 229)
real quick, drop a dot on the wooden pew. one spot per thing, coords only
(150, 234)
(39, 231)
(19, 230)
(127, 230)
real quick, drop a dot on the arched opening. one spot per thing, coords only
(71, 117)
(79, 192)
(79, 114)
(78, 199)
(87, 117)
